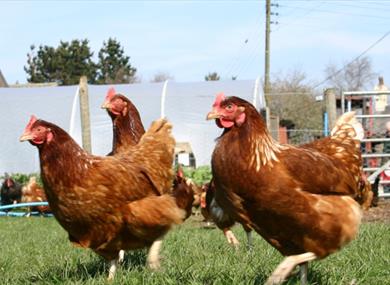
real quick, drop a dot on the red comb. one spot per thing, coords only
(220, 97)
(33, 119)
(180, 172)
(110, 93)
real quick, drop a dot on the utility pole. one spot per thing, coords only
(268, 24)
(267, 51)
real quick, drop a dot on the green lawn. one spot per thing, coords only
(36, 251)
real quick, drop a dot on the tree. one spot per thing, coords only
(213, 76)
(293, 100)
(64, 64)
(355, 76)
(114, 66)
(74, 61)
(161, 77)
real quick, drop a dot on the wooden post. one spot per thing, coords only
(330, 101)
(84, 114)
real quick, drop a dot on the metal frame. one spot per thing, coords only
(346, 97)
(22, 205)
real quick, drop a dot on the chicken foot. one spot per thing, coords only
(287, 265)
(153, 259)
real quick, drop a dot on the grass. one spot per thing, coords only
(37, 251)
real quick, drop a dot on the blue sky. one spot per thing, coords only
(189, 39)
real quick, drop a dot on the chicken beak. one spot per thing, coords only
(105, 105)
(212, 115)
(26, 137)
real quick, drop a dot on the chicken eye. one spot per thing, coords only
(229, 107)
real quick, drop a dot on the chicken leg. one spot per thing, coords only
(112, 269)
(121, 256)
(231, 238)
(249, 240)
(303, 273)
(287, 265)
(153, 259)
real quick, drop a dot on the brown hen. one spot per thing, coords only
(126, 121)
(109, 203)
(211, 211)
(127, 131)
(300, 200)
(32, 192)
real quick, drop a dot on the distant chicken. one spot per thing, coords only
(126, 121)
(11, 191)
(127, 132)
(32, 192)
(114, 202)
(211, 211)
(299, 199)
(183, 191)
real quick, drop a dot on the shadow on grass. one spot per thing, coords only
(83, 271)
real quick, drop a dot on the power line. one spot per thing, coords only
(253, 34)
(251, 40)
(309, 11)
(356, 58)
(338, 12)
(379, 9)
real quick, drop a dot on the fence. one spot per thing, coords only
(376, 162)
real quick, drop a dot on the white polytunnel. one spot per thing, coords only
(184, 104)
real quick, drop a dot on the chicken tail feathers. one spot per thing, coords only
(155, 152)
(159, 125)
(348, 125)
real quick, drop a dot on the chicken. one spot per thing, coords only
(300, 200)
(114, 202)
(206, 197)
(127, 132)
(211, 211)
(183, 191)
(32, 192)
(126, 121)
(11, 191)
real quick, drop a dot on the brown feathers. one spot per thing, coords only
(95, 198)
(298, 199)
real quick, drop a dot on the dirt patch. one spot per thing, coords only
(381, 213)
